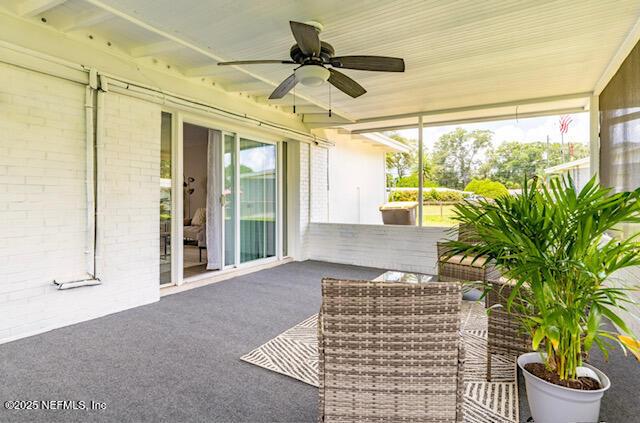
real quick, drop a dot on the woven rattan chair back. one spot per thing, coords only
(390, 352)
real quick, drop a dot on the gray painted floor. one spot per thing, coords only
(178, 360)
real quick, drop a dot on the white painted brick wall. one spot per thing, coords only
(406, 248)
(43, 204)
(319, 184)
(129, 240)
(304, 197)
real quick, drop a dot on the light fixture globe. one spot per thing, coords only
(312, 75)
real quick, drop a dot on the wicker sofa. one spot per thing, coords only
(390, 352)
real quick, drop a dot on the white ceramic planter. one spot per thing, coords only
(551, 403)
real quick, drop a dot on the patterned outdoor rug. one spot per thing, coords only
(295, 353)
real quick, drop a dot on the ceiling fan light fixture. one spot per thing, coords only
(312, 75)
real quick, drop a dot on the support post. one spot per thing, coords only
(594, 136)
(420, 173)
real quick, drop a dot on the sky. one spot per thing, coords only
(523, 130)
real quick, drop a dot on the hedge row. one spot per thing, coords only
(427, 195)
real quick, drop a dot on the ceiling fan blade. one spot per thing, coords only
(284, 87)
(369, 63)
(257, 62)
(345, 84)
(307, 38)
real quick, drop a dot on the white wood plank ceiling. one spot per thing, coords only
(457, 53)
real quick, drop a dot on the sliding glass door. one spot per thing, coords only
(257, 170)
(249, 199)
(166, 211)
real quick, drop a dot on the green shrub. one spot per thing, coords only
(487, 188)
(450, 196)
(427, 195)
(404, 195)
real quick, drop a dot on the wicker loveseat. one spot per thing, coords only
(390, 352)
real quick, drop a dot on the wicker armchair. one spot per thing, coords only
(505, 334)
(390, 352)
(464, 268)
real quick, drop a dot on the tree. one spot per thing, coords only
(428, 167)
(402, 163)
(411, 181)
(514, 161)
(457, 156)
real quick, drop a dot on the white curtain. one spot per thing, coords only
(214, 206)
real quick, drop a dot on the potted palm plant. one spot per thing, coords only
(551, 243)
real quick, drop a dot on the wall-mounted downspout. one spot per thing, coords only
(91, 130)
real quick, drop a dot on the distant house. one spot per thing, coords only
(577, 169)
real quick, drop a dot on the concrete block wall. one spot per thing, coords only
(43, 204)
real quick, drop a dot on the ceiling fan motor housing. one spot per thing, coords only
(326, 53)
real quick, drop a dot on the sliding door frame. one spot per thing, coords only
(278, 216)
(235, 202)
(181, 117)
(176, 230)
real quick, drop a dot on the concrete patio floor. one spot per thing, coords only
(178, 360)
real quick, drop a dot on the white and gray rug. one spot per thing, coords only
(294, 353)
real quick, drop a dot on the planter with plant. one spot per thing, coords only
(552, 244)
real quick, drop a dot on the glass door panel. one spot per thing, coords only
(229, 199)
(257, 171)
(165, 199)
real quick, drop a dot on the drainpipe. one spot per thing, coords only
(91, 117)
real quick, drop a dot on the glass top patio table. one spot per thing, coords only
(406, 277)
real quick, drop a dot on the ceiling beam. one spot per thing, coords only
(522, 102)
(155, 49)
(320, 125)
(284, 101)
(207, 70)
(492, 118)
(86, 20)
(305, 109)
(204, 51)
(247, 86)
(323, 118)
(30, 8)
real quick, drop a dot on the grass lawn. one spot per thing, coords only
(435, 215)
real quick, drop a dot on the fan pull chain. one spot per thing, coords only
(329, 100)
(294, 95)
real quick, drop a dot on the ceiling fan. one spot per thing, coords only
(314, 57)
